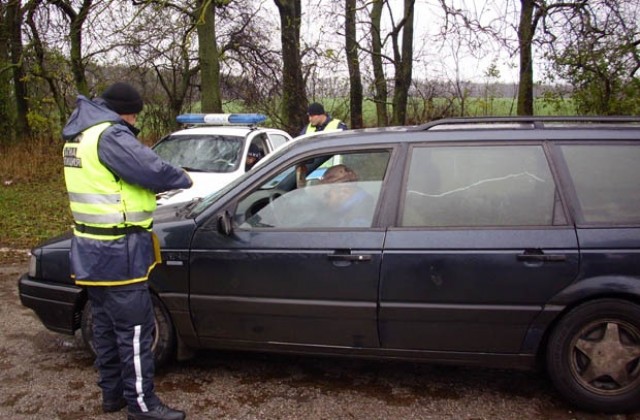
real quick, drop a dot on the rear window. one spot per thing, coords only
(480, 186)
(606, 180)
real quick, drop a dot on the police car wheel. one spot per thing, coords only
(164, 340)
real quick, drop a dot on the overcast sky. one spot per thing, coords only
(434, 55)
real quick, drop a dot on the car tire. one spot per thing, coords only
(164, 339)
(593, 356)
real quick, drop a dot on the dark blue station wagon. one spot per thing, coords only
(508, 242)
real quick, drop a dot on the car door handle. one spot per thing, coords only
(349, 257)
(540, 257)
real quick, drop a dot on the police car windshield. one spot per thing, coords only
(202, 152)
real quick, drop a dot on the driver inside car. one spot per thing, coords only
(345, 202)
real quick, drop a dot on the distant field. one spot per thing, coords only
(421, 111)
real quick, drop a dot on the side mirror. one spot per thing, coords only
(225, 224)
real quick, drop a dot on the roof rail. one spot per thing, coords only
(526, 122)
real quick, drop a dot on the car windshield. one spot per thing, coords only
(202, 152)
(194, 208)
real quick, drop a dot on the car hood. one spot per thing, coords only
(165, 219)
(173, 229)
(203, 185)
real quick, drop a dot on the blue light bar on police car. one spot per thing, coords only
(221, 119)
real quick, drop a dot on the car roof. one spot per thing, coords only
(495, 129)
(531, 122)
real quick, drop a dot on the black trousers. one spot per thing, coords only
(123, 328)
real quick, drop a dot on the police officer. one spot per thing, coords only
(112, 180)
(253, 156)
(319, 120)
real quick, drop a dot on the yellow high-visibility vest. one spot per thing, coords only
(333, 125)
(99, 199)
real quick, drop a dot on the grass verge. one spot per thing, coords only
(33, 199)
(32, 212)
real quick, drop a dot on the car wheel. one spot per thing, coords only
(593, 356)
(164, 339)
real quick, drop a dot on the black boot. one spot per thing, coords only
(161, 412)
(111, 406)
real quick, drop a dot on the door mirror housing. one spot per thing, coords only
(225, 224)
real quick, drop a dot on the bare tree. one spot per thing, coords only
(13, 25)
(252, 66)
(67, 53)
(379, 79)
(526, 30)
(353, 64)
(403, 62)
(158, 49)
(77, 18)
(401, 45)
(7, 101)
(599, 55)
(43, 63)
(530, 24)
(202, 16)
(209, 58)
(294, 99)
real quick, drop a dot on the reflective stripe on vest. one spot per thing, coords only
(331, 126)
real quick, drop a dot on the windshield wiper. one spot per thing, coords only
(190, 169)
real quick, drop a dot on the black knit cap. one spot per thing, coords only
(123, 98)
(315, 109)
(254, 151)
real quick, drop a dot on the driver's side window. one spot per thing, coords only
(327, 191)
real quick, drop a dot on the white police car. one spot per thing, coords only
(214, 149)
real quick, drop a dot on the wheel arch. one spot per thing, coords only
(588, 290)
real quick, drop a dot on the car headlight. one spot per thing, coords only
(33, 266)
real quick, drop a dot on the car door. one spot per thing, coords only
(481, 245)
(291, 272)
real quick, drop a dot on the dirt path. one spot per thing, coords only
(44, 375)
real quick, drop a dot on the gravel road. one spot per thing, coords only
(44, 375)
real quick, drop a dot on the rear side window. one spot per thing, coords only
(606, 180)
(480, 186)
(277, 140)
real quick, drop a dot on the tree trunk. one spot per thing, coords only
(403, 66)
(211, 99)
(75, 36)
(380, 82)
(353, 64)
(14, 29)
(6, 98)
(525, 39)
(41, 69)
(294, 99)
